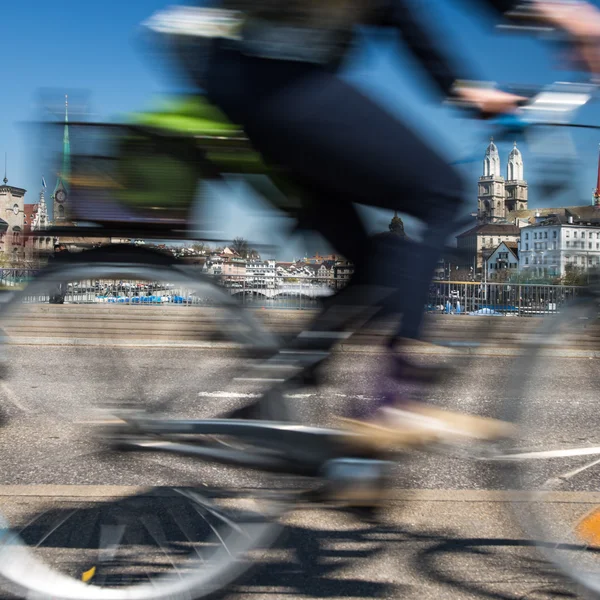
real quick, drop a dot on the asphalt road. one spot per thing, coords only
(49, 392)
(458, 539)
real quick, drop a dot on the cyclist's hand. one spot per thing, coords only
(581, 20)
(488, 101)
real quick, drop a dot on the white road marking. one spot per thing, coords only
(234, 395)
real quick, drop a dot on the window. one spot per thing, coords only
(545, 245)
(527, 260)
(545, 235)
(554, 233)
(568, 233)
(526, 246)
(553, 245)
(574, 234)
(568, 243)
(589, 245)
(527, 236)
(535, 235)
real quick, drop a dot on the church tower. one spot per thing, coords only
(491, 192)
(516, 186)
(60, 196)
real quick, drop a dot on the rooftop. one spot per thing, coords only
(491, 229)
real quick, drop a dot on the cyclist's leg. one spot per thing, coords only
(341, 143)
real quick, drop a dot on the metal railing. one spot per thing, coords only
(519, 299)
(15, 277)
(306, 292)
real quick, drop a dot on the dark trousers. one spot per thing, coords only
(343, 148)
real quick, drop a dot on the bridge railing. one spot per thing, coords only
(305, 292)
(519, 299)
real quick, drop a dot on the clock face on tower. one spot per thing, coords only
(61, 196)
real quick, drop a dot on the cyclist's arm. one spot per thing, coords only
(426, 44)
(423, 43)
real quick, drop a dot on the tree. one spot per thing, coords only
(201, 248)
(502, 276)
(574, 276)
(240, 247)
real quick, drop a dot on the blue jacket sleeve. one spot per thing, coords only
(425, 44)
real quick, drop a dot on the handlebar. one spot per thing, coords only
(554, 105)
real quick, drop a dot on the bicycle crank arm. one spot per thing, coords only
(227, 456)
(273, 446)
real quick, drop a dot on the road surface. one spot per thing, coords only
(450, 532)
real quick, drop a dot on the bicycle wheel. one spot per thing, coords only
(81, 522)
(554, 465)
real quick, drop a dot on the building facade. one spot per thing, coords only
(12, 210)
(503, 261)
(261, 274)
(479, 242)
(552, 246)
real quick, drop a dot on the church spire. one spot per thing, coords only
(65, 171)
(597, 190)
(514, 168)
(66, 164)
(491, 162)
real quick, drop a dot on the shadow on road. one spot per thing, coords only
(327, 564)
(322, 554)
(304, 561)
(492, 568)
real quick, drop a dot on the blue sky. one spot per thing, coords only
(90, 50)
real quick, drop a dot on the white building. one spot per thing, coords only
(550, 246)
(261, 274)
(503, 260)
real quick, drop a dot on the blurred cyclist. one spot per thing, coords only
(279, 82)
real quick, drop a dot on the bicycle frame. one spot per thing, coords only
(283, 447)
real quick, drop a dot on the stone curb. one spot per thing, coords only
(420, 349)
(92, 492)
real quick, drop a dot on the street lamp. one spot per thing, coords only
(485, 269)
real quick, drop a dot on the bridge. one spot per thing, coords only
(310, 291)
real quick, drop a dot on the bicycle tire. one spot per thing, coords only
(20, 566)
(549, 464)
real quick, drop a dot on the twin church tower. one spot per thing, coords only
(498, 197)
